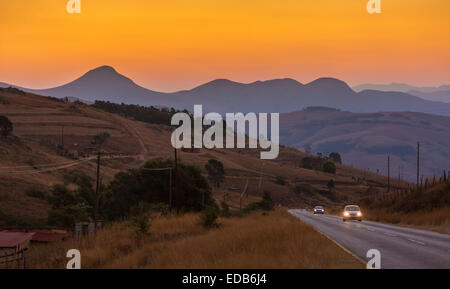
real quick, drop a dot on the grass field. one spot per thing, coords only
(275, 240)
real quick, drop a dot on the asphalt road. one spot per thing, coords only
(400, 248)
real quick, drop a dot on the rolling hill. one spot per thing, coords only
(222, 95)
(32, 158)
(440, 93)
(365, 139)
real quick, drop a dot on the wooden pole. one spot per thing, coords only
(170, 188)
(97, 187)
(62, 137)
(418, 164)
(389, 173)
(175, 175)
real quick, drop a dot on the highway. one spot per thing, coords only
(400, 248)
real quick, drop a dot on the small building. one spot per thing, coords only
(12, 249)
(86, 228)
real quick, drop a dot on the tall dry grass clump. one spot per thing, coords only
(273, 240)
(426, 207)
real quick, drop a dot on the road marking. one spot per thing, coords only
(418, 242)
(368, 229)
(389, 234)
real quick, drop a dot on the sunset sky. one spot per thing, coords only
(169, 45)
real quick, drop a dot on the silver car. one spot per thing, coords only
(318, 210)
(352, 212)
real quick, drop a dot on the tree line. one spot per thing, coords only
(148, 114)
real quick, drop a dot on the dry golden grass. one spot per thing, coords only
(436, 220)
(277, 240)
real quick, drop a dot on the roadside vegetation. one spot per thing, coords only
(427, 207)
(273, 240)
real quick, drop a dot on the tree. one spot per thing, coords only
(280, 180)
(215, 171)
(330, 184)
(150, 185)
(6, 126)
(100, 139)
(329, 167)
(209, 217)
(67, 207)
(335, 157)
(307, 163)
(267, 203)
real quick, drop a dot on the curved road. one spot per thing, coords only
(399, 247)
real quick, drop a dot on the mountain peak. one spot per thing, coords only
(104, 73)
(104, 68)
(217, 84)
(329, 84)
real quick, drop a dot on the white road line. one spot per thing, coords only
(389, 234)
(418, 242)
(368, 229)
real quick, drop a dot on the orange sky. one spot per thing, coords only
(177, 44)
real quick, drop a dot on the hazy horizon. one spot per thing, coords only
(209, 80)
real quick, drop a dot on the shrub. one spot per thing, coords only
(329, 167)
(6, 126)
(330, 184)
(209, 217)
(142, 225)
(307, 163)
(279, 180)
(266, 204)
(36, 193)
(225, 210)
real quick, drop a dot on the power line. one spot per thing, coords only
(49, 169)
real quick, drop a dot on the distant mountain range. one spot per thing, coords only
(222, 95)
(365, 139)
(439, 93)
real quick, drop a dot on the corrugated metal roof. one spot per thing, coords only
(49, 236)
(13, 239)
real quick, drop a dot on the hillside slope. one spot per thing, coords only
(365, 140)
(42, 124)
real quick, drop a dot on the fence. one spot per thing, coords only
(14, 260)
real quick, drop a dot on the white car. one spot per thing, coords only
(318, 210)
(352, 212)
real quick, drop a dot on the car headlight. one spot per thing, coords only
(346, 214)
(359, 214)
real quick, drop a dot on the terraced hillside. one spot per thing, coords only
(53, 139)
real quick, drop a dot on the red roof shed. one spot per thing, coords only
(14, 239)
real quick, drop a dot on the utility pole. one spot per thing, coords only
(97, 190)
(389, 173)
(177, 197)
(62, 136)
(170, 189)
(418, 164)
(242, 195)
